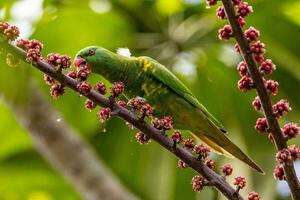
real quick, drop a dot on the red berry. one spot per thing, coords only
(251, 34)
(3, 26)
(117, 88)
(72, 74)
(147, 110)
(271, 137)
(236, 2)
(48, 79)
(84, 88)
(279, 172)
(181, 164)
(211, 2)
(142, 138)
(258, 48)
(202, 150)
(225, 33)
(197, 183)
(83, 72)
(259, 58)
(256, 104)
(165, 123)
(241, 21)
(33, 55)
(189, 143)
(10, 32)
(290, 130)
(122, 103)
(101, 88)
(283, 155)
(294, 151)
(57, 90)
(176, 136)
(104, 114)
(261, 125)
(253, 196)
(242, 68)
(221, 12)
(59, 61)
(240, 181)
(281, 108)
(90, 105)
(267, 67)
(272, 86)
(136, 103)
(237, 48)
(210, 163)
(246, 84)
(227, 170)
(243, 9)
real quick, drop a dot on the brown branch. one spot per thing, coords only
(58, 143)
(265, 99)
(183, 154)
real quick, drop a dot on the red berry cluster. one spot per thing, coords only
(142, 138)
(32, 47)
(59, 61)
(246, 83)
(240, 182)
(198, 183)
(165, 123)
(202, 151)
(139, 104)
(227, 170)
(8, 31)
(253, 196)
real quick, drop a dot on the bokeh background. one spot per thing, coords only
(181, 34)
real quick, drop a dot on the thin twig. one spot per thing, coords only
(265, 99)
(147, 129)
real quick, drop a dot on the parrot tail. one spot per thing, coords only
(220, 143)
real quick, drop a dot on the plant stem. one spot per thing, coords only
(265, 99)
(183, 154)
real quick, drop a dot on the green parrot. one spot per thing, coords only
(147, 78)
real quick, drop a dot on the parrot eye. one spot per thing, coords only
(92, 52)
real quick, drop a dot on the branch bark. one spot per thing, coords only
(265, 99)
(183, 154)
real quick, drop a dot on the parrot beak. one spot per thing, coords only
(78, 62)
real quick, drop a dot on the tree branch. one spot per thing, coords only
(58, 143)
(183, 154)
(265, 99)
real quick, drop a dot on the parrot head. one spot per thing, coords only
(102, 61)
(93, 56)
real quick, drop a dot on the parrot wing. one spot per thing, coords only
(165, 76)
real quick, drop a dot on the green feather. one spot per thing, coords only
(162, 74)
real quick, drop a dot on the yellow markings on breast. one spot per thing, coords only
(144, 88)
(146, 65)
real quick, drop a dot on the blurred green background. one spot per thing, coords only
(182, 34)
